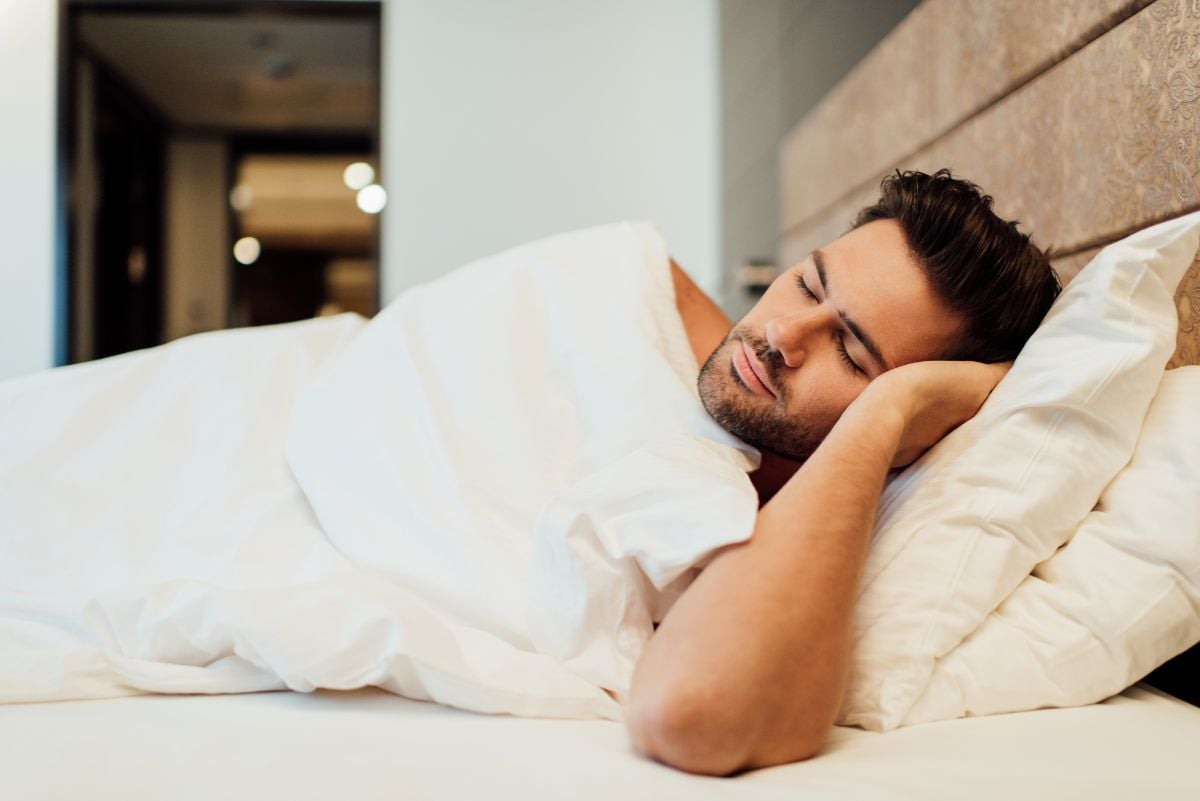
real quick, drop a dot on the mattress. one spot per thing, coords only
(369, 744)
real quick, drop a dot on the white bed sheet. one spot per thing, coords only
(369, 744)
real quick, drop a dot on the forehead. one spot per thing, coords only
(875, 280)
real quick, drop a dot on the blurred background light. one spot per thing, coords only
(246, 250)
(372, 199)
(358, 175)
(240, 197)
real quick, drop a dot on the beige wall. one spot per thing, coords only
(197, 256)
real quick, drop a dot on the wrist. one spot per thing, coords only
(883, 406)
(875, 421)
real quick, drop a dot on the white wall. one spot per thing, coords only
(28, 50)
(778, 59)
(505, 122)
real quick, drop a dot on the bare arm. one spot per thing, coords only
(749, 667)
(705, 323)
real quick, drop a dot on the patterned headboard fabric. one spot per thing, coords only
(1187, 300)
(1080, 117)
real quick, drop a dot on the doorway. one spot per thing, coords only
(214, 159)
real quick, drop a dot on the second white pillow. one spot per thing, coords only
(1118, 600)
(962, 527)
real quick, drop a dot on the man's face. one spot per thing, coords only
(870, 309)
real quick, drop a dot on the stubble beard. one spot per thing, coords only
(754, 419)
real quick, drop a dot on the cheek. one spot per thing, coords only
(822, 391)
(714, 377)
(848, 388)
(775, 300)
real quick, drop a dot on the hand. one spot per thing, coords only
(933, 398)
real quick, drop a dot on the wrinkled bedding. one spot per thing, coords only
(484, 496)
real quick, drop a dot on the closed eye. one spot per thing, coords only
(804, 287)
(841, 346)
(840, 337)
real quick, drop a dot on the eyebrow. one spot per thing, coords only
(819, 259)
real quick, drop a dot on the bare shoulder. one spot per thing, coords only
(705, 323)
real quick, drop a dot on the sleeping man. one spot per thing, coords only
(853, 362)
(489, 494)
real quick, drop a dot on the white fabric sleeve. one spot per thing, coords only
(607, 549)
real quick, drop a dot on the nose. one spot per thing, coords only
(792, 333)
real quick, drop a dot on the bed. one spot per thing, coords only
(1082, 118)
(369, 744)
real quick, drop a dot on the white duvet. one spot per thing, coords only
(484, 496)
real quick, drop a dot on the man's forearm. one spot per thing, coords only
(749, 666)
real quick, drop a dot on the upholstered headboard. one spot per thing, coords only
(1080, 117)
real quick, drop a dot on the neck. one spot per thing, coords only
(771, 475)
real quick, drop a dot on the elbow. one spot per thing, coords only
(681, 735)
(703, 739)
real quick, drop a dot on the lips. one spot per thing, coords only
(751, 371)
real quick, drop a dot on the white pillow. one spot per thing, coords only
(1118, 600)
(963, 526)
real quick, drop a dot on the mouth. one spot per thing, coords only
(752, 373)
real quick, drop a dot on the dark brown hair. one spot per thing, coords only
(979, 264)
